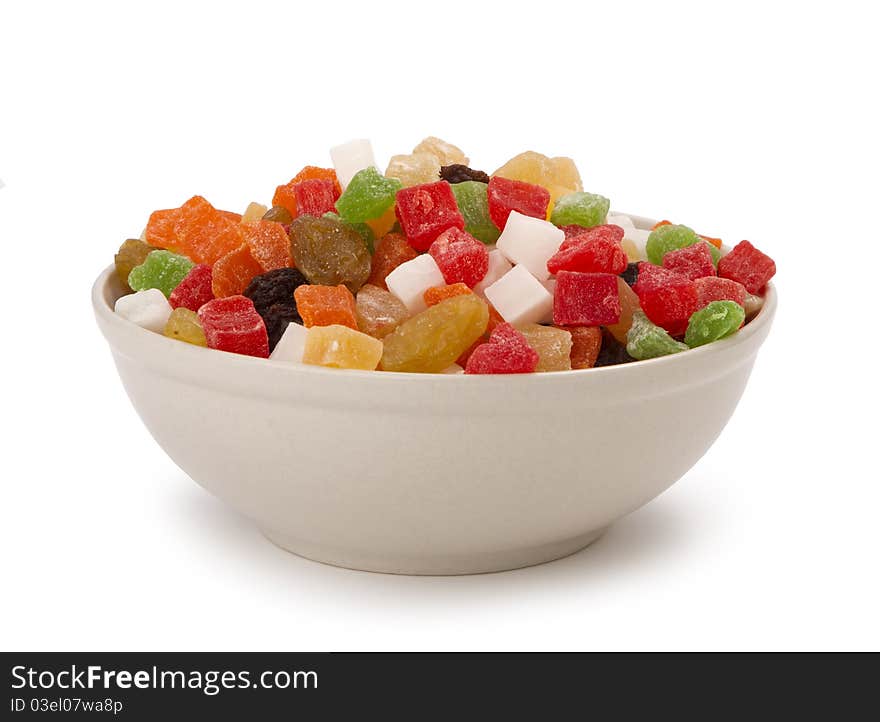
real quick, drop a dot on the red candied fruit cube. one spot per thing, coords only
(748, 265)
(195, 290)
(593, 250)
(391, 250)
(712, 288)
(694, 261)
(667, 298)
(233, 324)
(585, 299)
(460, 257)
(425, 211)
(507, 195)
(506, 352)
(315, 197)
(285, 196)
(268, 243)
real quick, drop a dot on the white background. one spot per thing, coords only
(758, 121)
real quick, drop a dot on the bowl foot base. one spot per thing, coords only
(440, 565)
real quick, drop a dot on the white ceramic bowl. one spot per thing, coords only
(429, 474)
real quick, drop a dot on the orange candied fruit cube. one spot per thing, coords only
(284, 195)
(196, 229)
(714, 241)
(661, 223)
(160, 228)
(384, 223)
(434, 295)
(269, 244)
(232, 273)
(325, 306)
(391, 250)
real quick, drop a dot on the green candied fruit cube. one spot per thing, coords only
(162, 269)
(362, 228)
(473, 203)
(368, 196)
(669, 237)
(645, 340)
(580, 209)
(714, 321)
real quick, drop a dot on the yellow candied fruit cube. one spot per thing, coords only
(183, 325)
(552, 344)
(446, 153)
(414, 169)
(341, 347)
(384, 223)
(558, 175)
(254, 212)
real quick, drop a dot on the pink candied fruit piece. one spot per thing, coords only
(693, 262)
(667, 298)
(425, 211)
(315, 197)
(195, 290)
(592, 250)
(507, 195)
(233, 324)
(585, 299)
(747, 265)
(712, 288)
(460, 257)
(506, 352)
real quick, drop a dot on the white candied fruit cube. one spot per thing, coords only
(638, 238)
(410, 280)
(530, 242)
(148, 309)
(291, 345)
(519, 297)
(351, 157)
(550, 285)
(498, 266)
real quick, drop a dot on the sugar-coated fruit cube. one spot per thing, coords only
(460, 257)
(286, 197)
(434, 295)
(506, 352)
(195, 290)
(594, 250)
(291, 345)
(232, 273)
(473, 203)
(384, 223)
(425, 211)
(558, 175)
(351, 157)
(411, 279)
(233, 324)
(497, 267)
(329, 252)
(148, 309)
(254, 212)
(580, 209)
(646, 340)
(432, 340)
(162, 270)
(391, 250)
(712, 288)
(586, 342)
(413, 169)
(505, 195)
(713, 322)
(341, 347)
(530, 242)
(694, 261)
(326, 306)
(635, 242)
(747, 265)
(519, 297)
(378, 311)
(183, 325)
(315, 197)
(197, 230)
(668, 237)
(585, 299)
(552, 344)
(445, 153)
(268, 243)
(629, 304)
(133, 252)
(667, 298)
(367, 196)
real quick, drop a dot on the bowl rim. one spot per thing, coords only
(102, 292)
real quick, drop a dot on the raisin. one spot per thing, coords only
(276, 318)
(274, 287)
(612, 352)
(631, 274)
(458, 173)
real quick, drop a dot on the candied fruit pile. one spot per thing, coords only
(436, 267)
